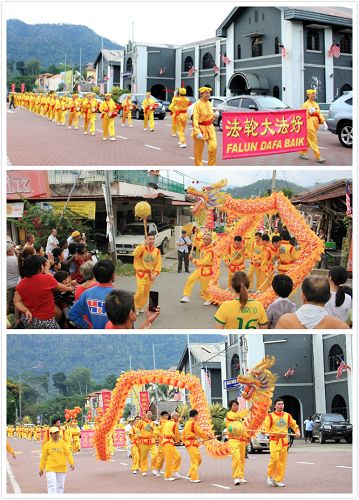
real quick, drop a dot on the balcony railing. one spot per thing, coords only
(138, 177)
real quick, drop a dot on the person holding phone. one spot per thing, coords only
(183, 248)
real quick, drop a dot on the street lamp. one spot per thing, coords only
(20, 388)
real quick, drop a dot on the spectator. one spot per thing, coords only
(86, 271)
(340, 304)
(21, 258)
(52, 241)
(89, 311)
(68, 264)
(55, 266)
(39, 249)
(34, 296)
(308, 430)
(65, 247)
(312, 314)
(63, 300)
(322, 236)
(75, 237)
(81, 256)
(283, 287)
(121, 311)
(12, 276)
(30, 241)
(241, 313)
(183, 248)
(58, 253)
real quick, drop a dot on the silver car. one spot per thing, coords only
(248, 103)
(340, 119)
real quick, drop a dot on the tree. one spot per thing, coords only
(183, 409)
(116, 93)
(20, 66)
(12, 400)
(79, 381)
(218, 413)
(287, 192)
(32, 67)
(59, 380)
(110, 381)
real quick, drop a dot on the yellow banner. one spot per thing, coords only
(86, 209)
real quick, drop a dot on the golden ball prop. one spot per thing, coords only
(143, 210)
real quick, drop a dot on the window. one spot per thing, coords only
(312, 40)
(345, 44)
(335, 356)
(235, 365)
(239, 53)
(246, 102)
(263, 16)
(188, 63)
(249, 21)
(207, 61)
(339, 406)
(276, 45)
(129, 64)
(276, 91)
(257, 47)
(256, 16)
(234, 102)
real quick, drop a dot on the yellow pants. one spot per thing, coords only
(174, 124)
(312, 142)
(260, 276)
(196, 461)
(172, 459)
(135, 457)
(74, 119)
(142, 291)
(144, 451)
(212, 150)
(230, 276)
(127, 115)
(237, 449)
(149, 118)
(53, 114)
(108, 126)
(192, 279)
(266, 281)
(160, 458)
(278, 461)
(181, 127)
(75, 446)
(42, 110)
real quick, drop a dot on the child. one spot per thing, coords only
(283, 287)
(64, 300)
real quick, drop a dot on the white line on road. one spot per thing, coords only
(322, 147)
(123, 463)
(203, 161)
(183, 477)
(153, 147)
(13, 481)
(121, 137)
(223, 487)
(306, 463)
(343, 467)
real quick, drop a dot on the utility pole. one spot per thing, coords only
(65, 74)
(80, 68)
(154, 367)
(189, 355)
(110, 217)
(274, 177)
(69, 197)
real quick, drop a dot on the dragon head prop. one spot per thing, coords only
(259, 380)
(209, 198)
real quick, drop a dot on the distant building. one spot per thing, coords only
(42, 82)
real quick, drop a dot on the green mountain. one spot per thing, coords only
(261, 187)
(103, 354)
(48, 43)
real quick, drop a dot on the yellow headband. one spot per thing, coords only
(205, 89)
(311, 91)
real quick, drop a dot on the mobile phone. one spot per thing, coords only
(153, 301)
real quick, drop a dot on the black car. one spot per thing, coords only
(137, 111)
(331, 426)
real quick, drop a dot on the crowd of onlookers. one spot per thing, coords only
(65, 286)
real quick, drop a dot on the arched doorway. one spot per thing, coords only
(159, 91)
(189, 91)
(276, 91)
(292, 406)
(238, 85)
(188, 63)
(339, 406)
(345, 88)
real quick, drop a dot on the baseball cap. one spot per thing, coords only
(75, 233)
(54, 429)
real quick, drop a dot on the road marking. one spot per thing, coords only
(343, 467)
(306, 463)
(203, 161)
(322, 147)
(123, 463)
(13, 481)
(183, 477)
(121, 137)
(220, 486)
(112, 460)
(153, 147)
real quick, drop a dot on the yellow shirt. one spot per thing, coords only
(313, 120)
(202, 119)
(278, 424)
(191, 432)
(54, 456)
(148, 105)
(287, 255)
(205, 260)
(234, 258)
(170, 433)
(147, 260)
(231, 316)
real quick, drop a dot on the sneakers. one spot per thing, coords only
(179, 143)
(152, 129)
(154, 472)
(122, 124)
(184, 299)
(104, 138)
(270, 481)
(183, 145)
(130, 126)
(237, 482)
(134, 472)
(144, 473)
(242, 480)
(176, 474)
(321, 160)
(85, 133)
(278, 484)
(145, 129)
(174, 135)
(69, 127)
(207, 303)
(76, 128)
(140, 311)
(170, 479)
(195, 481)
(113, 139)
(303, 157)
(93, 133)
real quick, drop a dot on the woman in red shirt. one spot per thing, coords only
(34, 296)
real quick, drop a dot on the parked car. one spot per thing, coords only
(248, 103)
(340, 119)
(259, 443)
(164, 103)
(137, 112)
(324, 108)
(215, 100)
(331, 426)
(133, 235)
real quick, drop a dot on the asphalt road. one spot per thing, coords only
(311, 469)
(34, 141)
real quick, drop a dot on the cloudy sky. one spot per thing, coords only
(168, 22)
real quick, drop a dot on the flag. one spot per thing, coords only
(163, 70)
(283, 50)
(334, 50)
(341, 367)
(216, 69)
(347, 199)
(225, 59)
(290, 371)
(191, 71)
(207, 378)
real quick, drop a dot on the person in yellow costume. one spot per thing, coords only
(52, 110)
(170, 436)
(108, 108)
(75, 435)
(241, 313)
(197, 240)
(48, 108)
(287, 253)
(203, 128)
(148, 439)
(314, 119)
(190, 435)
(179, 109)
(10, 450)
(203, 272)
(256, 253)
(164, 417)
(38, 105)
(43, 104)
(269, 260)
(61, 111)
(74, 106)
(55, 453)
(237, 440)
(127, 107)
(277, 424)
(32, 102)
(149, 105)
(148, 265)
(64, 435)
(135, 438)
(89, 110)
(173, 116)
(234, 258)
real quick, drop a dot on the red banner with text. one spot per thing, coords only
(106, 399)
(22, 88)
(262, 133)
(144, 402)
(88, 438)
